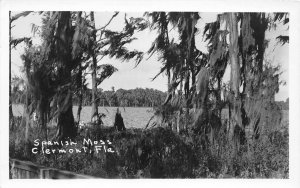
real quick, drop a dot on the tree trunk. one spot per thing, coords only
(194, 87)
(180, 108)
(254, 104)
(43, 110)
(65, 125)
(235, 72)
(79, 106)
(94, 117)
(233, 55)
(26, 120)
(253, 26)
(189, 31)
(218, 97)
(11, 115)
(80, 97)
(79, 79)
(187, 101)
(169, 80)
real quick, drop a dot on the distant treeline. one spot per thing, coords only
(138, 97)
(283, 105)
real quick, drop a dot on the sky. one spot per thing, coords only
(129, 76)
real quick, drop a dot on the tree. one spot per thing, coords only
(161, 43)
(49, 73)
(62, 37)
(14, 43)
(112, 44)
(80, 45)
(187, 29)
(180, 59)
(245, 52)
(80, 86)
(94, 73)
(10, 103)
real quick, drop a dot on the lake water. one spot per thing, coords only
(135, 117)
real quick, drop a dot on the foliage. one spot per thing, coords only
(161, 153)
(284, 19)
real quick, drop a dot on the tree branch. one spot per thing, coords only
(116, 13)
(15, 42)
(13, 18)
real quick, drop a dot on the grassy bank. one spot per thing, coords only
(161, 153)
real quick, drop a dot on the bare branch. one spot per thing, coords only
(13, 18)
(116, 13)
(15, 42)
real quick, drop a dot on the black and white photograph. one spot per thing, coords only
(157, 94)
